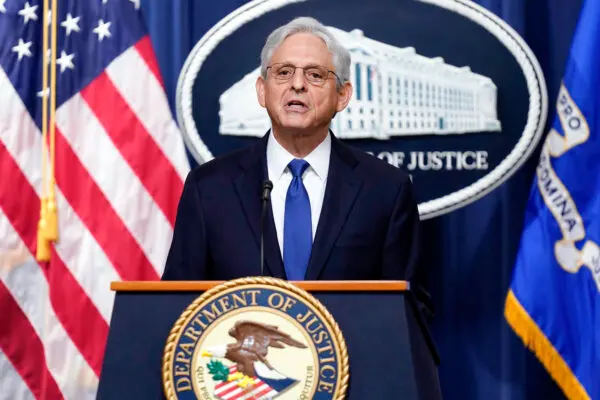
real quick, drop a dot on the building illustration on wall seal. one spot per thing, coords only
(397, 92)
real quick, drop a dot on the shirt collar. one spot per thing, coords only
(319, 158)
(278, 158)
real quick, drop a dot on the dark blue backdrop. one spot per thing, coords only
(471, 251)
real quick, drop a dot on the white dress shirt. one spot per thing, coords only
(314, 179)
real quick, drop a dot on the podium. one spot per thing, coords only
(388, 354)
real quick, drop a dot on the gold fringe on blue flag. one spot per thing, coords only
(536, 341)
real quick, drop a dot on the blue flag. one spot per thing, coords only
(554, 300)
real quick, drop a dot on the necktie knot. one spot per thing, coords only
(297, 167)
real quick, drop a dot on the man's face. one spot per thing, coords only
(296, 104)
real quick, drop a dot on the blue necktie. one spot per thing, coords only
(297, 225)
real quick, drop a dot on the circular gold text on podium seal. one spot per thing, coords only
(255, 338)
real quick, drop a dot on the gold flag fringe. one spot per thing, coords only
(536, 341)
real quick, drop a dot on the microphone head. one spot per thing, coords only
(267, 185)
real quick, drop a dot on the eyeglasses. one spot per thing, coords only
(315, 74)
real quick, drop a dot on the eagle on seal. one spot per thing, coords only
(250, 351)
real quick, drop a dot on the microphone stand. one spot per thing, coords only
(267, 186)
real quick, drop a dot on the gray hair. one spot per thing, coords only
(341, 56)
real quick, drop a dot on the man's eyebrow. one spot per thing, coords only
(312, 64)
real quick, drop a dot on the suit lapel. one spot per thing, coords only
(340, 193)
(248, 187)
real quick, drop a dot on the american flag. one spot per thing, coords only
(258, 390)
(120, 166)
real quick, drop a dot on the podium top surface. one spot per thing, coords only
(187, 286)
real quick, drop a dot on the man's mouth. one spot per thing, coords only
(296, 106)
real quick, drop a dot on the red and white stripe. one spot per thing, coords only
(120, 167)
(231, 391)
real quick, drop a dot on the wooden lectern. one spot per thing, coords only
(388, 352)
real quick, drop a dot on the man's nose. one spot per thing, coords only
(298, 80)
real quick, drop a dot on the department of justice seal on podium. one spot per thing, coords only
(255, 338)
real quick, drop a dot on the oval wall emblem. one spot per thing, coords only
(255, 338)
(442, 88)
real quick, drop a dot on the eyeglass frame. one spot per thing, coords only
(304, 69)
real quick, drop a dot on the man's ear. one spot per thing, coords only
(260, 91)
(344, 96)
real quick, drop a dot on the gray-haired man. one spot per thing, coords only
(336, 213)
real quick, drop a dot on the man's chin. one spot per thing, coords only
(295, 125)
(298, 130)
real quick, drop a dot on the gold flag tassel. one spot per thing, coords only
(51, 232)
(43, 244)
(42, 252)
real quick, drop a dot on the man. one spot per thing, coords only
(336, 213)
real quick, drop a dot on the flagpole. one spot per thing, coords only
(43, 245)
(51, 216)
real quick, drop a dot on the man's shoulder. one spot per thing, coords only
(221, 167)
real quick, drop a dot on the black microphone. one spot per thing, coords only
(267, 186)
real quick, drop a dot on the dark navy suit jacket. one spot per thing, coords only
(368, 228)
